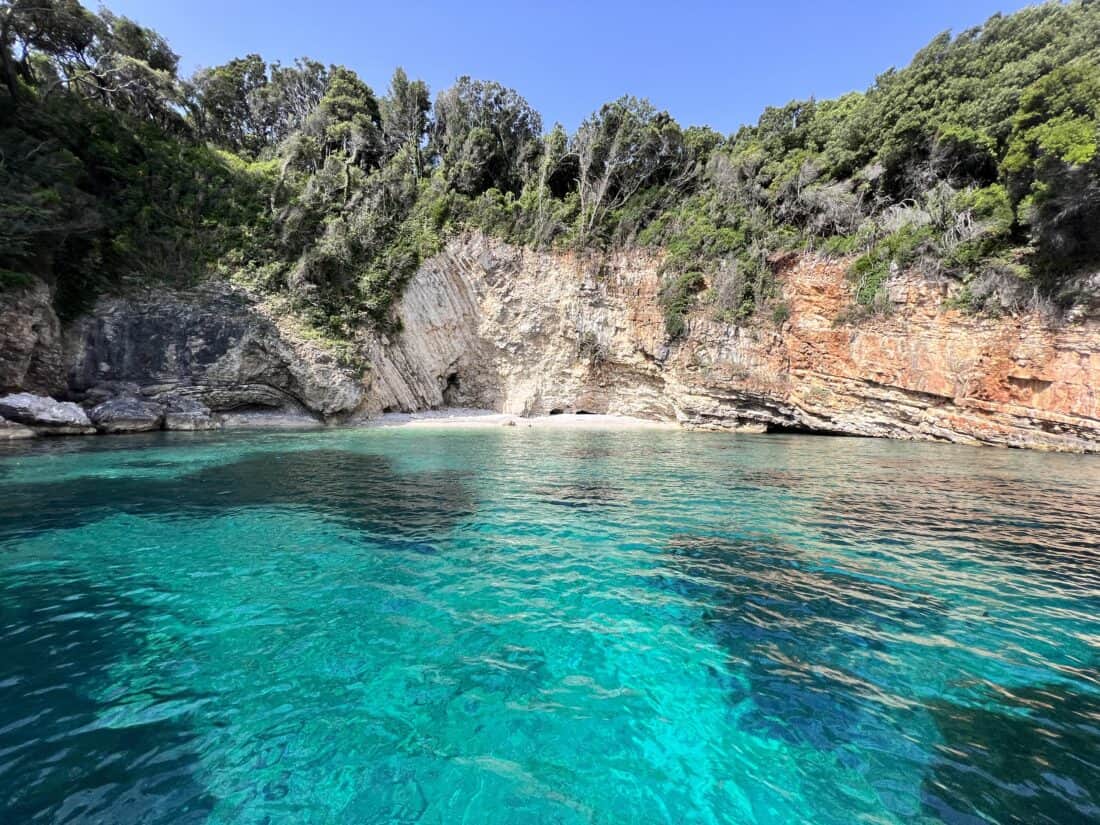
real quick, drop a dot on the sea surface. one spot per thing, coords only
(532, 626)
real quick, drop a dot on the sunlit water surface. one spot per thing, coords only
(522, 626)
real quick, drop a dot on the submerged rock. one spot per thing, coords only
(127, 415)
(45, 415)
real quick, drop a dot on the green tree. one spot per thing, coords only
(61, 30)
(351, 119)
(625, 146)
(1053, 165)
(405, 117)
(485, 136)
(289, 96)
(225, 103)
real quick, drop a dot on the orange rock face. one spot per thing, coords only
(527, 332)
(1010, 380)
(545, 331)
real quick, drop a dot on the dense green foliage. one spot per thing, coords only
(978, 162)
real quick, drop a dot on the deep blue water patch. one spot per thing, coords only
(69, 753)
(359, 487)
(543, 626)
(1029, 757)
(579, 494)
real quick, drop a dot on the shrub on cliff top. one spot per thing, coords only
(300, 180)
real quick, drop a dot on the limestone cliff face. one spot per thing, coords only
(30, 342)
(484, 324)
(488, 325)
(214, 345)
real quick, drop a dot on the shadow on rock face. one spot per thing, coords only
(362, 490)
(62, 760)
(1028, 757)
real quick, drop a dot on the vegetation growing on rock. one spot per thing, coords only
(979, 162)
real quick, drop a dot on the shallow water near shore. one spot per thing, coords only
(512, 625)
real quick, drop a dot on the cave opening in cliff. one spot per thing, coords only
(557, 411)
(451, 390)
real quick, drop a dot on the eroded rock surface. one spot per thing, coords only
(45, 415)
(188, 414)
(524, 332)
(10, 431)
(30, 342)
(487, 325)
(127, 415)
(214, 346)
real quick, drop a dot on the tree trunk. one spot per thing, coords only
(6, 59)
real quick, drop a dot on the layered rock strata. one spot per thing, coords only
(484, 324)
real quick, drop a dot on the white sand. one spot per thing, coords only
(264, 420)
(488, 418)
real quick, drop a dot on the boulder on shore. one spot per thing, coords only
(188, 414)
(10, 431)
(127, 415)
(108, 391)
(44, 415)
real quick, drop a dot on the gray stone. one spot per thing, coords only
(108, 390)
(45, 415)
(10, 431)
(31, 357)
(188, 414)
(213, 344)
(127, 415)
(269, 419)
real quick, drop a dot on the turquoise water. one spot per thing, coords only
(546, 627)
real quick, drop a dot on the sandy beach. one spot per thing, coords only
(487, 418)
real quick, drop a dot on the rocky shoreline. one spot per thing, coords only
(31, 416)
(24, 415)
(526, 334)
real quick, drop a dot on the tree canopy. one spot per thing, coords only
(978, 162)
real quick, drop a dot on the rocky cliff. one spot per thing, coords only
(526, 332)
(487, 325)
(215, 347)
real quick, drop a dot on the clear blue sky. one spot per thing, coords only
(706, 62)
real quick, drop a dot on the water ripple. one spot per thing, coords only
(398, 626)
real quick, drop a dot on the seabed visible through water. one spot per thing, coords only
(555, 626)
